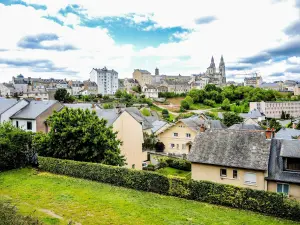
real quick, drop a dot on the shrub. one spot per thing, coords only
(108, 106)
(226, 104)
(184, 104)
(189, 100)
(145, 112)
(180, 164)
(270, 203)
(9, 215)
(15, 147)
(209, 102)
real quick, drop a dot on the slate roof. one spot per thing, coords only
(242, 126)
(135, 113)
(34, 109)
(5, 104)
(252, 114)
(195, 123)
(157, 125)
(143, 71)
(150, 86)
(287, 133)
(177, 82)
(231, 148)
(279, 150)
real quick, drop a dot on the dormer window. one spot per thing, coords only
(292, 164)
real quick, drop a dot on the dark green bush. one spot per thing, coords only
(15, 147)
(227, 195)
(180, 164)
(9, 216)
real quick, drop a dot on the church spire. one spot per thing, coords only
(212, 63)
(222, 61)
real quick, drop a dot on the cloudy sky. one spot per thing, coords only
(66, 39)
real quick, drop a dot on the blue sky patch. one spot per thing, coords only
(19, 2)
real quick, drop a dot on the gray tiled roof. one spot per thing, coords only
(287, 133)
(34, 109)
(5, 104)
(242, 126)
(143, 71)
(195, 123)
(252, 114)
(157, 125)
(231, 148)
(135, 113)
(279, 149)
(150, 86)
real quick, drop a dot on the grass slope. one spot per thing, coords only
(174, 172)
(56, 199)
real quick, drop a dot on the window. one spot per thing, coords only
(235, 174)
(283, 188)
(29, 125)
(223, 173)
(175, 134)
(292, 164)
(183, 146)
(188, 135)
(17, 123)
(172, 145)
(250, 178)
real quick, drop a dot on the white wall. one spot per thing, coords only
(13, 110)
(23, 124)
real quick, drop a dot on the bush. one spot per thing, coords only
(9, 216)
(180, 164)
(270, 203)
(145, 112)
(15, 147)
(184, 104)
(189, 100)
(226, 104)
(209, 102)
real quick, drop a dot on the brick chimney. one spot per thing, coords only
(202, 128)
(270, 133)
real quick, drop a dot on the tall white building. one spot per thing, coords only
(107, 80)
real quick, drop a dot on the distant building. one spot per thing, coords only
(142, 77)
(254, 114)
(90, 87)
(275, 109)
(297, 89)
(107, 80)
(289, 85)
(150, 91)
(76, 86)
(253, 81)
(130, 83)
(287, 133)
(6, 89)
(272, 86)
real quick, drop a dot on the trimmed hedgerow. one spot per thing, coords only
(176, 163)
(227, 195)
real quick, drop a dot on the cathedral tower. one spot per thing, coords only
(222, 69)
(211, 70)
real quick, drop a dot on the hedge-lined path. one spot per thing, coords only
(89, 202)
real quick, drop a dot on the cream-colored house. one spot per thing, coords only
(142, 76)
(284, 167)
(297, 89)
(150, 91)
(129, 128)
(178, 138)
(235, 157)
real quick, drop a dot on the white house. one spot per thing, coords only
(8, 107)
(6, 89)
(107, 80)
(150, 91)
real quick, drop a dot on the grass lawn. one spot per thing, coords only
(174, 172)
(56, 199)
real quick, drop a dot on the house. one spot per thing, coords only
(130, 83)
(284, 167)
(235, 157)
(158, 126)
(297, 89)
(129, 128)
(9, 107)
(253, 81)
(287, 133)
(272, 86)
(90, 87)
(178, 137)
(6, 89)
(33, 116)
(254, 114)
(37, 95)
(76, 87)
(146, 122)
(150, 91)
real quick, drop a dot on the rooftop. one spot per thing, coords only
(5, 104)
(242, 126)
(287, 133)
(231, 148)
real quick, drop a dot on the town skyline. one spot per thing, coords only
(57, 39)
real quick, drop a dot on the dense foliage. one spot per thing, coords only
(243, 198)
(62, 95)
(176, 163)
(239, 96)
(145, 112)
(170, 95)
(230, 118)
(271, 123)
(15, 147)
(79, 135)
(10, 216)
(150, 141)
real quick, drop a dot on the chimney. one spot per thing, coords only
(294, 125)
(270, 133)
(93, 106)
(202, 128)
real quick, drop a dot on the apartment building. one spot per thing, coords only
(107, 80)
(274, 109)
(253, 81)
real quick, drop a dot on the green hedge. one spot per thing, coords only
(180, 164)
(227, 195)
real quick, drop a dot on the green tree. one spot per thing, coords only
(209, 102)
(150, 141)
(15, 147)
(80, 135)
(184, 104)
(230, 118)
(119, 93)
(62, 95)
(195, 94)
(145, 112)
(136, 89)
(273, 123)
(189, 100)
(211, 87)
(226, 104)
(165, 113)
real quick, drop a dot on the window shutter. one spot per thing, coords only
(279, 188)
(286, 189)
(250, 178)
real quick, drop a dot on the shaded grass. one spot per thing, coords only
(89, 202)
(174, 172)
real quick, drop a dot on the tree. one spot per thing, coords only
(159, 147)
(136, 89)
(226, 105)
(150, 141)
(189, 100)
(80, 135)
(62, 95)
(273, 123)
(119, 93)
(209, 102)
(184, 104)
(15, 147)
(230, 118)
(194, 93)
(145, 112)
(165, 113)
